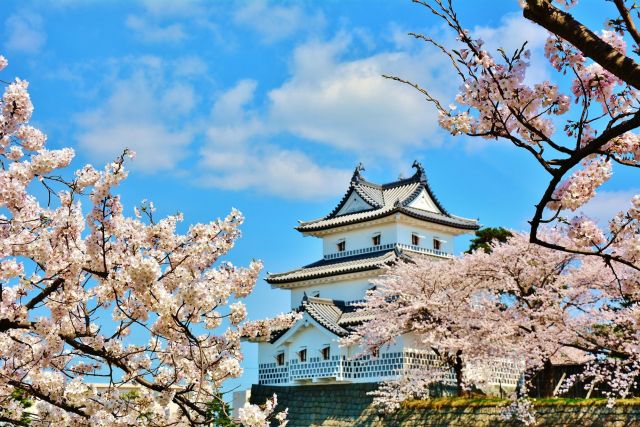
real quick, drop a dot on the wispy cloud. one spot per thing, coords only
(606, 204)
(24, 32)
(347, 104)
(513, 32)
(269, 139)
(145, 112)
(276, 22)
(239, 156)
(155, 32)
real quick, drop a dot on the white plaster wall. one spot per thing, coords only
(267, 352)
(348, 290)
(361, 238)
(390, 233)
(312, 337)
(397, 345)
(426, 241)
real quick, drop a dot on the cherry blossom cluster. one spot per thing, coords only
(581, 186)
(520, 302)
(575, 137)
(90, 295)
(253, 416)
(520, 411)
(261, 329)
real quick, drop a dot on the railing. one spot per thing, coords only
(316, 368)
(428, 251)
(388, 366)
(388, 246)
(360, 251)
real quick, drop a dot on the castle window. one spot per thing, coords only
(302, 355)
(437, 244)
(326, 352)
(342, 245)
(415, 239)
(280, 358)
(376, 239)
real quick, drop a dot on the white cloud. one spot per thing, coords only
(24, 32)
(238, 155)
(275, 22)
(155, 32)
(157, 148)
(174, 8)
(606, 204)
(327, 100)
(349, 105)
(511, 35)
(190, 66)
(272, 170)
(331, 98)
(145, 114)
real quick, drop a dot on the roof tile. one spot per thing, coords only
(387, 199)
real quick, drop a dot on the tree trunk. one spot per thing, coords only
(457, 368)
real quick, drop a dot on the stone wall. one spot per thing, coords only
(348, 405)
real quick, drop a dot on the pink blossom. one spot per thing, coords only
(581, 185)
(79, 280)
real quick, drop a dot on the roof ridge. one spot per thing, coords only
(399, 194)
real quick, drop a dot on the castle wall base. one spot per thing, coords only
(347, 405)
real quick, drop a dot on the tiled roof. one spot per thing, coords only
(354, 318)
(388, 199)
(324, 267)
(336, 316)
(326, 312)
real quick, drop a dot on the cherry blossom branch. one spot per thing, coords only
(628, 21)
(543, 13)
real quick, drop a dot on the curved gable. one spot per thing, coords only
(354, 203)
(424, 202)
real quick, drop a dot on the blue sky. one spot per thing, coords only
(267, 107)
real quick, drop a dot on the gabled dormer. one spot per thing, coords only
(366, 201)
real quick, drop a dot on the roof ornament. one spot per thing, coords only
(356, 173)
(419, 170)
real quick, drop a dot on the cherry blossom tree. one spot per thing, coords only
(520, 302)
(92, 299)
(576, 137)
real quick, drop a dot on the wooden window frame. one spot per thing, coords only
(437, 244)
(326, 352)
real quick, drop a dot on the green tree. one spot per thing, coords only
(219, 412)
(485, 236)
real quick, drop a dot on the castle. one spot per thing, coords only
(373, 225)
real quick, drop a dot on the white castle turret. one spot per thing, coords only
(372, 226)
